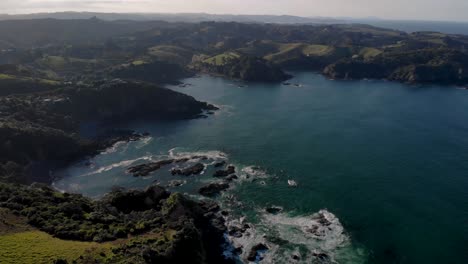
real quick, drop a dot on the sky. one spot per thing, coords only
(449, 10)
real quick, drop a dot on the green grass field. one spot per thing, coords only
(171, 54)
(139, 62)
(221, 59)
(34, 247)
(58, 63)
(28, 79)
(317, 50)
(368, 53)
(295, 50)
(6, 77)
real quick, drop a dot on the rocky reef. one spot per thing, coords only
(213, 189)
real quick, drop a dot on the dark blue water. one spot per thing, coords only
(389, 160)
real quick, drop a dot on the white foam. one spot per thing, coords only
(324, 227)
(321, 232)
(120, 164)
(144, 142)
(123, 145)
(254, 171)
(211, 155)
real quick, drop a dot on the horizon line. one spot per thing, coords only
(232, 14)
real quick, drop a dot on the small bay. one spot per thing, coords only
(389, 160)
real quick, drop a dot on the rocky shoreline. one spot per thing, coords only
(197, 227)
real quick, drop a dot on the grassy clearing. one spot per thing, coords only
(368, 53)
(261, 48)
(38, 247)
(295, 50)
(221, 59)
(171, 54)
(139, 62)
(6, 77)
(317, 50)
(59, 63)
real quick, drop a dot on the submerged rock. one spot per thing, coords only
(236, 232)
(192, 170)
(321, 256)
(231, 178)
(176, 183)
(220, 164)
(224, 173)
(274, 210)
(213, 189)
(255, 251)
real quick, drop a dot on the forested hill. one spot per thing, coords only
(90, 49)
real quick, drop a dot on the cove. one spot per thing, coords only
(389, 160)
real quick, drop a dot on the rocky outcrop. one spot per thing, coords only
(254, 252)
(273, 210)
(213, 189)
(146, 169)
(192, 170)
(219, 164)
(224, 173)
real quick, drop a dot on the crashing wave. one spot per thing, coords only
(213, 155)
(254, 172)
(317, 238)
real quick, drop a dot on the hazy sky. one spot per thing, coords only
(396, 9)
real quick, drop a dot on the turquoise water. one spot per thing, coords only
(390, 161)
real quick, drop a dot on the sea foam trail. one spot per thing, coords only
(119, 146)
(120, 164)
(144, 142)
(122, 146)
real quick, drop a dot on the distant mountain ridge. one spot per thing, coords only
(179, 17)
(403, 25)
